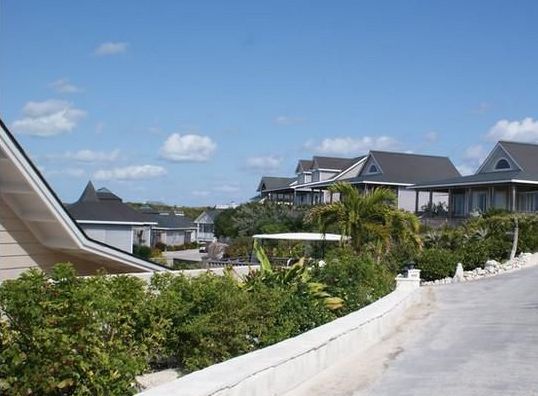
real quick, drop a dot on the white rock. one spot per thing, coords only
(458, 276)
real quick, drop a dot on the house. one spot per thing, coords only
(205, 225)
(106, 218)
(507, 179)
(322, 171)
(276, 189)
(36, 231)
(173, 229)
(398, 171)
(299, 190)
(393, 170)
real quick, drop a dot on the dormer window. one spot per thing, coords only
(502, 164)
(372, 169)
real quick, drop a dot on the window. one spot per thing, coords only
(372, 169)
(502, 164)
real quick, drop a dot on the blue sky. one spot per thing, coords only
(190, 102)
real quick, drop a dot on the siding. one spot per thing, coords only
(20, 250)
(119, 236)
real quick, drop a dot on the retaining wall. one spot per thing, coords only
(281, 367)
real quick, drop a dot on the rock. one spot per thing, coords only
(458, 275)
(491, 264)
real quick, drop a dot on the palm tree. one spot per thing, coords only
(363, 217)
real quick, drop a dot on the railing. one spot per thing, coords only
(242, 261)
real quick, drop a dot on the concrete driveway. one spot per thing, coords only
(474, 338)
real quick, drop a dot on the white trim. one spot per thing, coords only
(327, 170)
(76, 235)
(476, 183)
(499, 144)
(495, 169)
(379, 168)
(115, 222)
(381, 183)
(334, 178)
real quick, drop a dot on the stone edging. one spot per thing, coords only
(491, 268)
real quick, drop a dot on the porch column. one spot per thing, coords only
(450, 203)
(417, 193)
(491, 198)
(468, 196)
(513, 198)
(430, 201)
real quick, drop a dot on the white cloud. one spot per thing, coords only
(475, 153)
(86, 155)
(431, 137)
(111, 48)
(64, 86)
(227, 188)
(525, 130)
(265, 163)
(69, 172)
(349, 145)
(465, 169)
(133, 172)
(288, 120)
(48, 118)
(188, 148)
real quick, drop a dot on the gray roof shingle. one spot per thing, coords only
(525, 154)
(270, 183)
(103, 206)
(406, 168)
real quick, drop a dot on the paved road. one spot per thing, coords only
(475, 338)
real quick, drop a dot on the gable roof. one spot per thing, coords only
(168, 220)
(270, 183)
(334, 163)
(103, 206)
(525, 155)
(31, 198)
(407, 168)
(212, 214)
(353, 163)
(304, 165)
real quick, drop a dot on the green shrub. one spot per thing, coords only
(208, 316)
(142, 251)
(437, 264)
(65, 335)
(358, 280)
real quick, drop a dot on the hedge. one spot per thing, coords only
(65, 335)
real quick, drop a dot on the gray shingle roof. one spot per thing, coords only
(525, 154)
(170, 220)
(103, 206)
(406, 168)
(336, 163)
(270, 183)
(304, 165)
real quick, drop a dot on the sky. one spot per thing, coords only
(191, 102)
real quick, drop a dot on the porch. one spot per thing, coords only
(464, 201)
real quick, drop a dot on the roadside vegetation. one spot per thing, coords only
(65, 335)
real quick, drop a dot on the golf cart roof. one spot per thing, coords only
(302, 236)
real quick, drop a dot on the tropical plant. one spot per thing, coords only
(297, 275)
(370, 220)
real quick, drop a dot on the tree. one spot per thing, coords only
(368, 219)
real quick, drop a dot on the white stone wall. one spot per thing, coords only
(282, 367)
